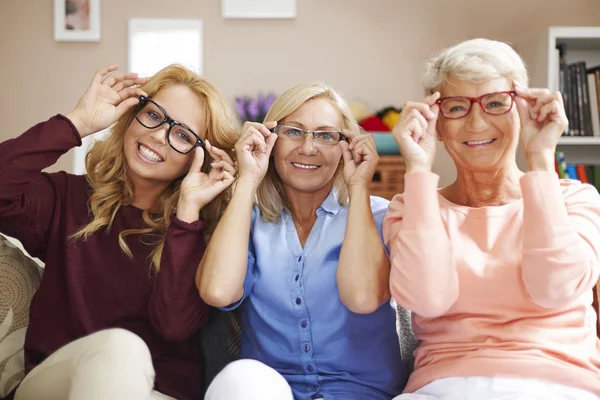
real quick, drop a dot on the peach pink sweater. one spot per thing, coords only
(499, 291)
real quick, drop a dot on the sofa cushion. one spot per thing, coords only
(19, 279)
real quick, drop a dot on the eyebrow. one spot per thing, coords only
(176, 119)
(320, 128)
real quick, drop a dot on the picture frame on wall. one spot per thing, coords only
(77, 20)
(258, 8)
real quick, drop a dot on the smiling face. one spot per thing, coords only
(148, 154)
(480, 142)
(306, 166)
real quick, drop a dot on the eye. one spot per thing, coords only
(494, 104)
(292, 131)
(154, 115)
(183, 136)
(327, 136)
(455, 105)
(456, 108)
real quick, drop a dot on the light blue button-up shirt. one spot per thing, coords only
(294, 321)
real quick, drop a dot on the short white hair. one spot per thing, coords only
(474, 61)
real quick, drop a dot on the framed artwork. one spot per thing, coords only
(258, 8)
(77, 20)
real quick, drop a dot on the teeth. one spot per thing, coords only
(149, 154)
(304, 166)
(480, 142)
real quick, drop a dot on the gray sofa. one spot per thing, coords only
(214, 340)
(21, 273)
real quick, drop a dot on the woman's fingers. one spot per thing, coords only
(258, 139)
(361, 146)
(270, 142)
(125, 105)
(431, 99)
(542, 101)
(117, 77)
(548, 109)
(218, 154)
(421, 108)
(533, 96)
(131, 92)
(129, 82)
(102, 72)
(264, 129)
(198, 160)
(346, 152)
(224, 166)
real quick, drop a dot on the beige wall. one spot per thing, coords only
(370, 50)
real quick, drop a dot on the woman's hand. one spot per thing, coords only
(107, 98)
(199, 188)
(415, 133)
(253, 150)
(542, 126)
(360, 160)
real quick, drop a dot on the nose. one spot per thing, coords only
(308, 145)
(159, 135)
(476, 119)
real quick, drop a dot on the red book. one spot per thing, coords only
(581, 174)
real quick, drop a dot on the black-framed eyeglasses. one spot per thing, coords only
(298, 134)
(181, 138)
(497, 103)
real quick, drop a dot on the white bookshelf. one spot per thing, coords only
(579, 141)
(539, 52)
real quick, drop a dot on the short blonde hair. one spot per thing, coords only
(271, 196)
(474, 61)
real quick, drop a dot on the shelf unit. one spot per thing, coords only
(539, 52)
(579, 141)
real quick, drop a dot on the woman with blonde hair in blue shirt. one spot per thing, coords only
(299, 250)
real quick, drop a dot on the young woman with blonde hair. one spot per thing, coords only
(305, 263)
(117, 309)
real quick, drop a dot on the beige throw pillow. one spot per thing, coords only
(19, 279)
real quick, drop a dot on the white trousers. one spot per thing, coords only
(111, 364)
(479, 388)
(249, 380)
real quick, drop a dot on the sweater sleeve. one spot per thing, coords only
(176, 309)
(561, 239)
(423, 275)
(28, 196)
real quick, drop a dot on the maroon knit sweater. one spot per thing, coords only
(92, 285)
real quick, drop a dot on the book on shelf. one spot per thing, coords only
(585, 173)
(580, 87)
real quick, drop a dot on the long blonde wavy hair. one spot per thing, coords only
(107, 169)
(271, 196)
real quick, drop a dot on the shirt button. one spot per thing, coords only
(297, 277)
(303, 324)
(298, 300)
(306, 348)
(300, 259)
(310, 368)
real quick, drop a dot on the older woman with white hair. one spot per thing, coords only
(498, 267)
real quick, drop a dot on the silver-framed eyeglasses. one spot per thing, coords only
(496, 103)
(181, 138)
(328, 137)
